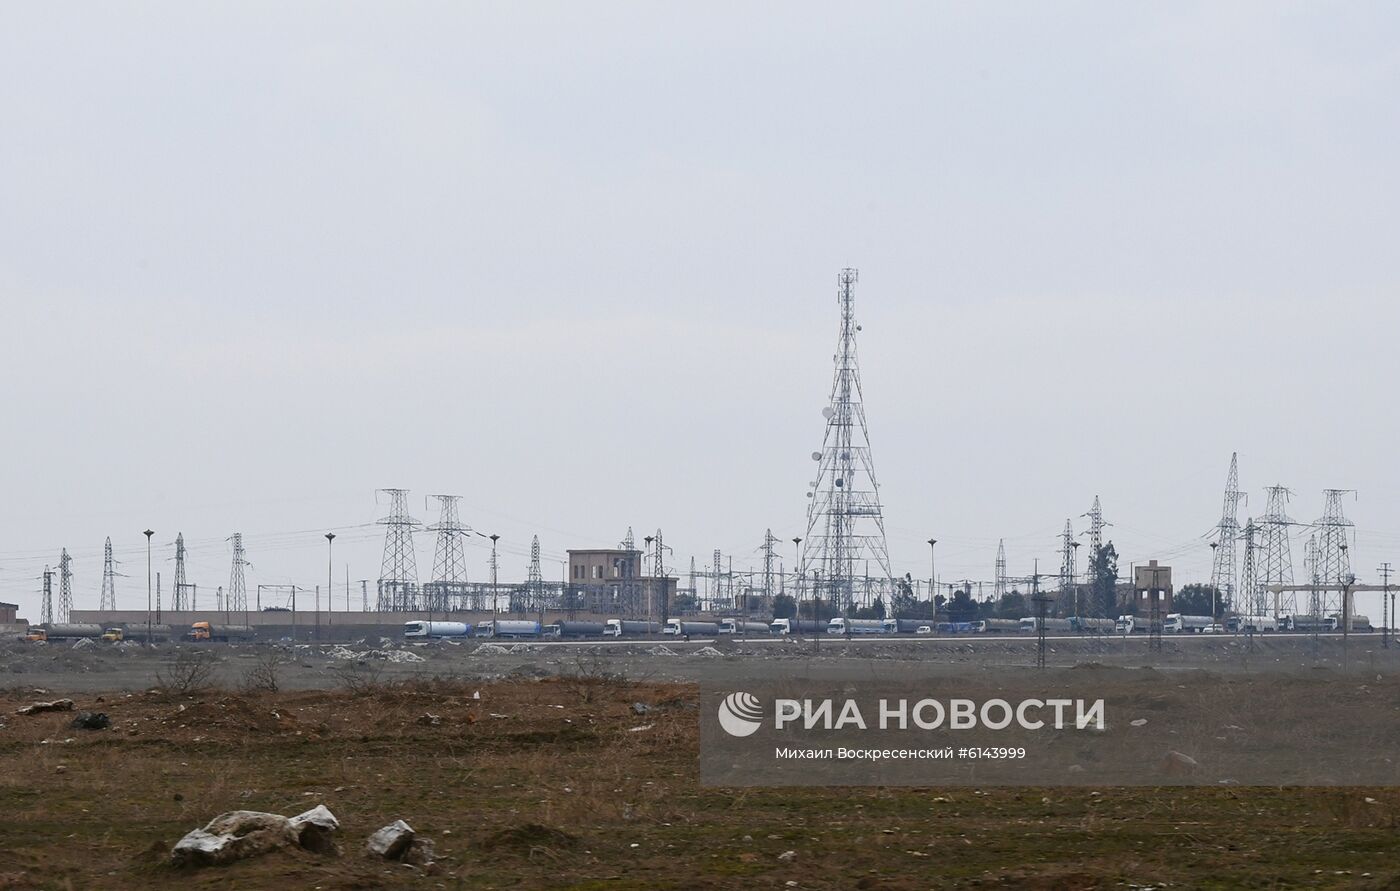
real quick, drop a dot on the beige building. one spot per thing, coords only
(609, 581)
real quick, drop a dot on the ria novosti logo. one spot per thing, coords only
(740, 714)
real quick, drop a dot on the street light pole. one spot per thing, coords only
(148, 533)
(932, 570)
(330, 569)
(797, 591)
(1214, 614)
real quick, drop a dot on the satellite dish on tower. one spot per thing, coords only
(816, 456)
(827, 413)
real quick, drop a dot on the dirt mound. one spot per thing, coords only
(530, 837)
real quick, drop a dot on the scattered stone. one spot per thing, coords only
(661, 650)
(238, 835)
(640, 708)
(83, 643)
(91, 721)
(235, 835)
(392, 841)
(1176, 762)
(708, 652)
(57, 705)
(315, 829)
(1138, 722)
(430, 720)
(491, 650)
(640, 729)
(788, 856)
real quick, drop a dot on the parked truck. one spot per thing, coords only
(508, 628)
(212, 633)
(796, 626)
(630, 628)
(678, 628)
(428, 630)
(1177, 623)
(841, 625)
(742, 626)
(573, 628)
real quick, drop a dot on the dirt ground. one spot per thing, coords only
(553, 777)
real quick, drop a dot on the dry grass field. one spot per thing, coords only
(563, 782)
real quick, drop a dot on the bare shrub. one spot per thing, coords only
(359, 678)
(190, 671)
(264, 675)
(591, 677)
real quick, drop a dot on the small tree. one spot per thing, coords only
(1103, 597)
(1195, 600)
(784, 607)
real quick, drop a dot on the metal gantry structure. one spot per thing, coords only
(536, 601)
(398, 571)
(448, 588)
(1227, 531)
(108, 600)
(845, 522)
(236, 598)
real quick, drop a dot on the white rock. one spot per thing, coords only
(391, 841)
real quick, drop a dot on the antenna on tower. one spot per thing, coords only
(845, 523)
(398, 572)
(1222, 572)
(109, 578)
(450, 562)
(237, 598)
(65, 586)
(1276, 561)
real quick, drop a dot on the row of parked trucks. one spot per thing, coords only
(199, 631)
(1174, 623)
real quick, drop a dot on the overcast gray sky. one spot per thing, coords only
(576, 262)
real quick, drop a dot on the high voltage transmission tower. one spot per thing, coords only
(1222, 571)
(46, 608)
(628, 543)
(716, 578)
(236, 600)
(1255, 602)
(534, 587)
(845, 524)
(177, 596)
(999, 586)
(1068, 599)
(769, 540)
(65, 586)
(1096, 525)
(1334, 565)
(448, 589)
(109, 578)
(1276, 558)
(398, 572)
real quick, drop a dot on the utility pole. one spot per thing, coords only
(932, 575)
(109, 574)
(1227, 531)
(398, 572)
(450, 561)
(768, 541)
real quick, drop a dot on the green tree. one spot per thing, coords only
(962, 608)
(1012, 606)
(1103, 597)
(875, 610)
(784, 607)
(903, 599)
(1195, 600)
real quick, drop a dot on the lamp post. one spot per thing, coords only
(148, 533)
(330, 568)
(651, 590)
(797, 589)
(932, 570)
(1214, 614)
